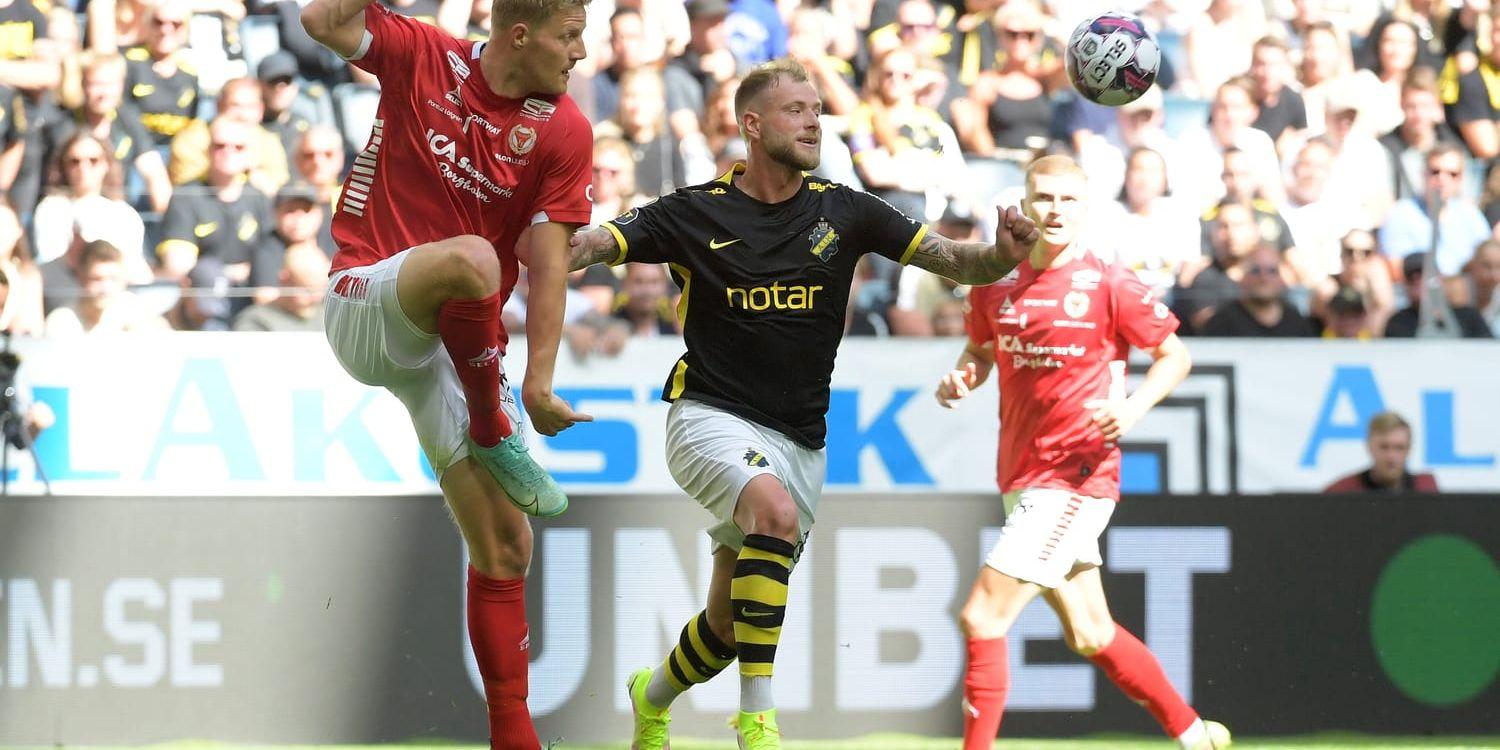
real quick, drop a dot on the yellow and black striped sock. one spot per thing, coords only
(758, 597)
(698, 656)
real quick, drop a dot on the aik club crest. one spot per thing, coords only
(825, 241)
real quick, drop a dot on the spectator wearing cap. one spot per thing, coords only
(299, 307)
(319, 161)
(902, 150)
(811, 44)
(299, 216)
(1407, 322)
(920, 294)
(224, 216)
(104, 306)
(1318, 216)
(160, 81)
(1008, 112)
(1262, 310)
(1283, 116)
(1422, 127)
(707, 61)
(85, 180)
(1461, 226)
(290, 109)
(1230, 121)
(1241, 186)
(266, 163)
(105, 115)
(1206, 284)
(21, 312)
(1470, 89)
(1347, 317)
(1389, 442)
(1363, 271)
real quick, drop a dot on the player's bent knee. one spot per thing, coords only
(475, 265)
(981, 621)
(778, 520)
(1087, 640)
(502, 559)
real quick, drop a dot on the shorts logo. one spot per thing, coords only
(1076, 304)
(486, 357)
(521, 140)
(755, 458)
(825, 241)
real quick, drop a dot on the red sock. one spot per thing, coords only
(471, 333)
(1134, 669)
(497, 630)
(986, 683)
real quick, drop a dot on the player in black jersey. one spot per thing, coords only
(765, 257)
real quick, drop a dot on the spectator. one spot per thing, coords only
(903, 151)
(467, 20)
(973, 40)
(1283, 116)
(1326, 62)
(1470, 89)
(161, 84)
(289, 109)
(663, 164)
(756, 31)
(1407, 323)
(1150, 231)
(203, 303)
(1461, 225)
(644, 302)
(1140, 125)
(104, 306)
(1317, 216)
(105, 115)
(240, 100)
(1364, 272)
(1489, 199)
(319, 159)
(1422, 127)
(118, 24)
(14, 128)
(1261, 310)
(1242, 187)
(29, 66)
(720, 125)
(1208, 283)
(1008, 112)
(223, 216)
(299, 307)
(1389, 442)
(920, 294)
(1360, 171)
(1229, 126)
(1395, 58)
(811, 45)
(1219, 43)
(299, 217)
(1347, 317)
(916, 27)
(1483, 280)
(85, 180)
(948, 318)
(707, 60)
(614, 179)
(630, 53)
(21, 311)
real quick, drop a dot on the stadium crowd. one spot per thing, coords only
(176, 163)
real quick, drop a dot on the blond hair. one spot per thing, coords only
(504, 13)
(1387, 421)
(92, 60)
(762, 77)
(1053, 164)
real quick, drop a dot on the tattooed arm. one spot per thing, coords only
(590, 246)
(976, 262)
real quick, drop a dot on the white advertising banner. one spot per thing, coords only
(241, 413)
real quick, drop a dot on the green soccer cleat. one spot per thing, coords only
(528, 485)
(757, 731)
(1218, 737)
(650, 722)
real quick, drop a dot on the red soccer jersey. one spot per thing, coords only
(447, 156)
(1060, 338)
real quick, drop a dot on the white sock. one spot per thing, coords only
(659, 691)
(755, 694)
(1193, 736)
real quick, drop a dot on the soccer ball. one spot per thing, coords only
(1112, 59)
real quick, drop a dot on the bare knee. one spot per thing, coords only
(981, 621)
(475, 268)
(776, 519)
(1087, 639)
(498, 556)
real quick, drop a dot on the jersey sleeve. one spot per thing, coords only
(977, 316)
(563, 195)
(1141, 319)
(640, 232)
(885, 231)
(392, 41)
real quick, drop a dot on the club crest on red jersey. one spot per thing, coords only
(1076, 304)
(521, 140)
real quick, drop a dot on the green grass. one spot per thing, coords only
(909, 742)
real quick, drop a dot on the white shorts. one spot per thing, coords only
(713, 454)
(378, 345)
(1048, 533)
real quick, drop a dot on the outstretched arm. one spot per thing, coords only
(976, 262)
(336, 24)
(590, 246)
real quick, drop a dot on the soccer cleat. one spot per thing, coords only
(528, 485)
(1217, 737)
(650, 722)
(757, 731)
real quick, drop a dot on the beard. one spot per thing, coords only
(784, 151)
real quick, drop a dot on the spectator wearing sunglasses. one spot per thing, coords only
(1365, 273)
(1461, 226)
(1261, 310)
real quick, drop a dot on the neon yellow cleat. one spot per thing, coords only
(757, 731)
(650, 722)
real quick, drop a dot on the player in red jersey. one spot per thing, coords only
(1059, 328)
(473, 144)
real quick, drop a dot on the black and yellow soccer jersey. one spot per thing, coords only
(166, 103)
(764, 290)
(228, 231)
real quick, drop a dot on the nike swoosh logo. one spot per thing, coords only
(714, 244)
(747, 612)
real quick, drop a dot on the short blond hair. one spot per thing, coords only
(503, 13)
(1053, 164)
(1388, 421)
(765, 76)
(90, 61)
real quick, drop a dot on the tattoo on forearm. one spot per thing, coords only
(595, 245)
(964, 262)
